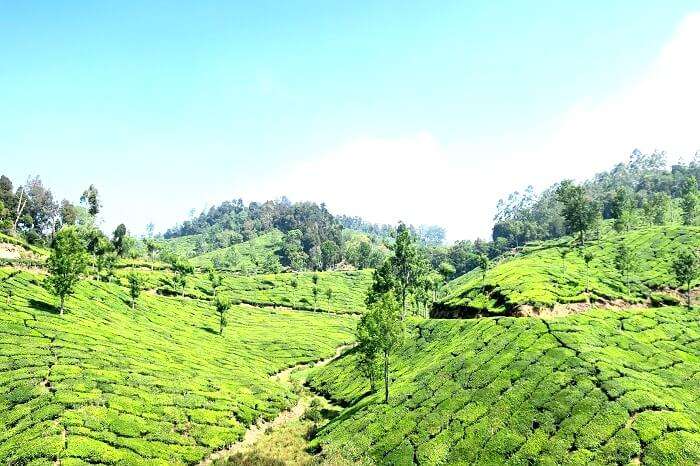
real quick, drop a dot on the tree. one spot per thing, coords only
(214, 279)
(90, 199)
(690, 201)
(314, 289)
(68, 213)
(66, 263)
(383, 281)
(686, 268)
(484, 264)
(152, 249)
(379, 333)
(625, 262)
(330, 253)
(118, 239)
(578, 209)
(329, 296)
(404, 264)
(222, 306)
(293, 251)
(446, 270)
(623, 209)
(587, 258)
(135, 285)
(656, 208)
(182, 269)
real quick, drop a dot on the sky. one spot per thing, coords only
(417, 111)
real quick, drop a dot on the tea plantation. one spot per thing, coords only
(108, 384)
(604, 387)
(292, 290)
(553, 272)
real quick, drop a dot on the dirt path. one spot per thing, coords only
(256, 431)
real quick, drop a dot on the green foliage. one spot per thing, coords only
(135, 286)
(222, 306)
(578, 209)
(545, 274)
(604, 387)
(686, 267)
(378, 334)
(141, 388)
(65, 265)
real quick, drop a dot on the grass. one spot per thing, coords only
(555, 272)
(602, 387)
(156, 385)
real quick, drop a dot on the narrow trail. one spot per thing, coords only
(257, 430)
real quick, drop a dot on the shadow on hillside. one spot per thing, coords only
(210, 330)
(43, 306)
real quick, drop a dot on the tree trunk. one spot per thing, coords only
(62, 302)
(403, 303)
(20, 209)
(688, 295)
(386, 377)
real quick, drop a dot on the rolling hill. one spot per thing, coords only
(544, 275)
(603, 387)
(108, 384)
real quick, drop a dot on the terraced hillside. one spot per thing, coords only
(603, 387)
(293, 290)
(542, 275)
(107, 384)
(246, 257)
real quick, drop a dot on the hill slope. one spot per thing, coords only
(107, 384)
(602, 387)
(542, 275)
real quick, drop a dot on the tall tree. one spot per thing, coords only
(315, 290)
(690, 201)
(379, 332)
(623, 209)
(182, 269)
(405, 264)
(118, 237)
(587, 259)
(66, 263)
(686, 268)
(90, 198)
(578, 209)
(625, 262)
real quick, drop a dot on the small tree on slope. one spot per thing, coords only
(135, 286)
(686, 268)
(222, 307)
(626, 263)
(65, 265)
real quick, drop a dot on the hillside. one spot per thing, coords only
(107, 384)
(246, 257)
(603, 387)
(542, 275)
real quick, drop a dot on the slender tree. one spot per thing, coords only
(405, 264)
(587, 258)
(90, 198)
(686, 268)
(215, 280)
(136, 283)
(690, 201)
(315, 290)
(329, 296)
(222, 306)
(65, 265)
(379, 332)
(625, 262)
